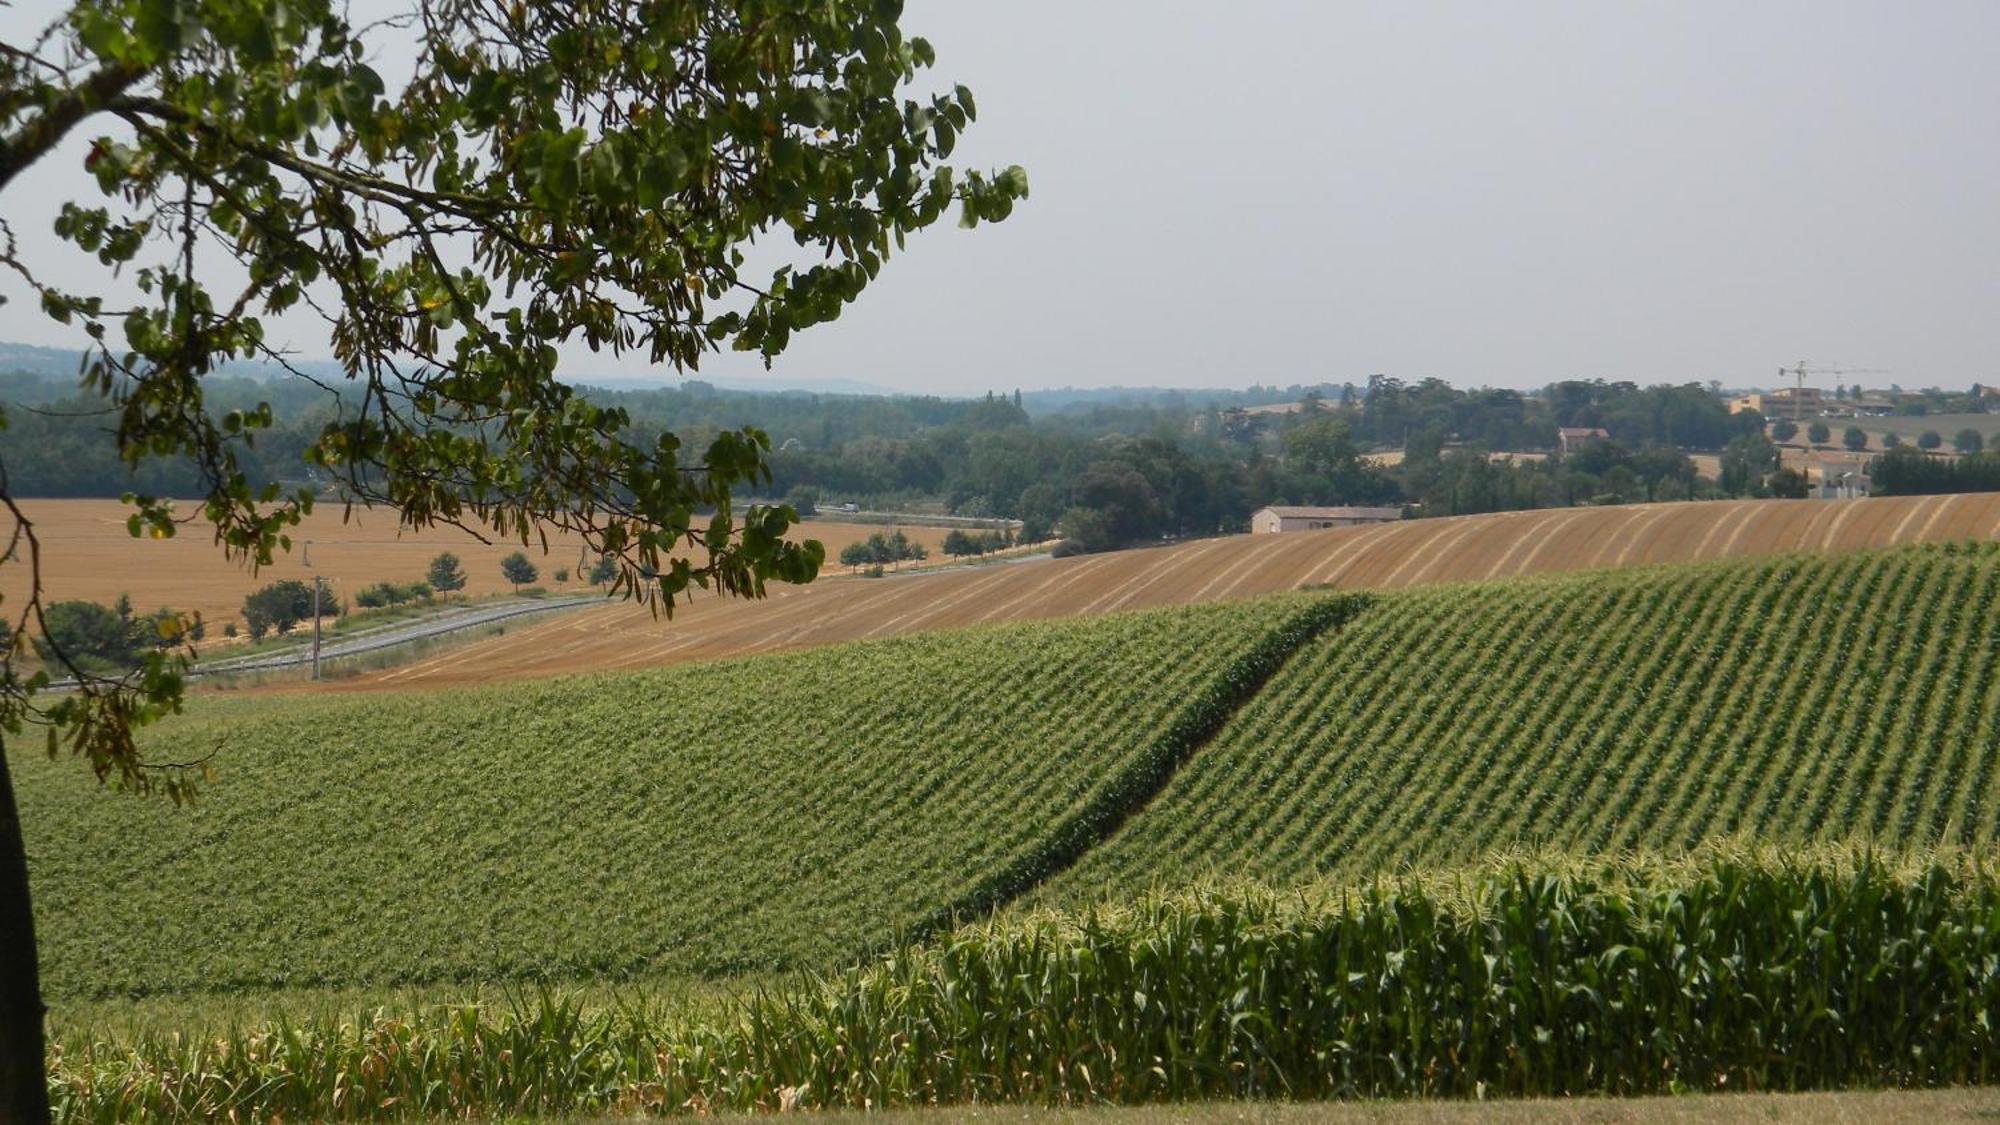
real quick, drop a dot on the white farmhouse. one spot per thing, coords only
(1282, 518)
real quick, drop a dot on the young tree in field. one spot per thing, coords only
(1891, 439)
(561, 576)
(583, 173)
(959, 545)
(445, 575)
(1784, 429)
(1968, 441)
(1819, 433)
(856, 555)
(518, 569)
(1854, 438)
(1929, 440)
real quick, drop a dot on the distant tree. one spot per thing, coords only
(857, 554)
(279, 606)
(1746, 462)
(1854, 438)
(959, 545)
(417, 591)
(1968, 440)
(1784, 429)
(518, 569)
(445, 575)
(561, 575)
(1891, 439)
(87, 631)
(1819, 433)
(1088, 528)
(1788, 484)
(804, 500)
(1929, 439)
(603, 570)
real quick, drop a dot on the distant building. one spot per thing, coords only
(1784, 400)
(1569, 439)
(1282, 518)
(1841, 486)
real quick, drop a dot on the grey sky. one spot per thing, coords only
(1268, 191)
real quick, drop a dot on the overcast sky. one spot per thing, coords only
(1267, 191)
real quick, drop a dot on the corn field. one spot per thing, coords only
(1730, 972)
(1793, 699)
(706, 820)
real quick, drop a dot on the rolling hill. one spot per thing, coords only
(794, 809)
(1384, 556)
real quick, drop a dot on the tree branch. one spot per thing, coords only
(34, 139)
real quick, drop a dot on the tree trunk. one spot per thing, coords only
(24, 1083)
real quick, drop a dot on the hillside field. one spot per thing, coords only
(89, 554)
(784, 811)
(1596, 832)
(1383, 556)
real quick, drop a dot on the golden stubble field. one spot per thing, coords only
(88, 554)
(1383, 556)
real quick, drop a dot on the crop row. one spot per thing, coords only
(1728, 972)
(1793, 698)
(714, 819)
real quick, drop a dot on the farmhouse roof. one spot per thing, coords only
(1291, 512)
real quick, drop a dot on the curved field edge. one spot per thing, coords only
(1730, 971)
(1410, 553)
(1792, 698)
(709, 820)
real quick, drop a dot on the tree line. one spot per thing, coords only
(1101, 473)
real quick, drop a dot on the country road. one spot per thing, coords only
(384, 636)
(389, 636)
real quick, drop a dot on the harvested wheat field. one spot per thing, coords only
(88, 554)
(1466, 548)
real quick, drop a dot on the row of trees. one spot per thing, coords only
(1907, 472)
(880, 550)
(1854, 438)
(963, 544)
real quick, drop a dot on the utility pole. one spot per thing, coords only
(305, 557)
(315, 626)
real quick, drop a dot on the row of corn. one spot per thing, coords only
(1724, 972)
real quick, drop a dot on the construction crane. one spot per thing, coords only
(1799, 372)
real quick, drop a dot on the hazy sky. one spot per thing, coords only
(1266, 191)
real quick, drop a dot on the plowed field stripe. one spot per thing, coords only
(1353, 546)
(1528, 564)
(1632, 543)
(1833, 530)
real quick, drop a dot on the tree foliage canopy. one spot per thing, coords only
(583, 173)
(538, 175)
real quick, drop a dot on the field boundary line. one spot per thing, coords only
(1133, 788)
